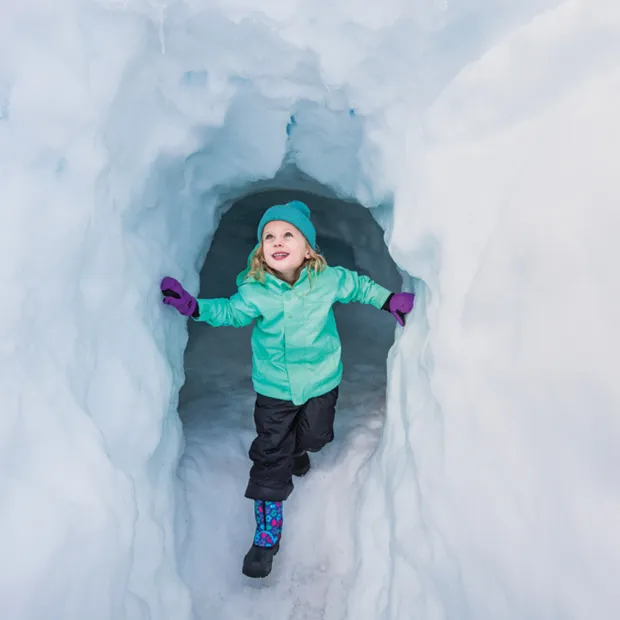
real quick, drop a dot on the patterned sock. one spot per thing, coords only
(268, 517)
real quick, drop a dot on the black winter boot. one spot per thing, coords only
(301, 464)
(259, 559)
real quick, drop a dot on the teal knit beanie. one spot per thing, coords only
(295, 213)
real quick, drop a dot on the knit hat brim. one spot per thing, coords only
(295, 213)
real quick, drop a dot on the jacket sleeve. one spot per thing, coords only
(237, 311)
(353, 287)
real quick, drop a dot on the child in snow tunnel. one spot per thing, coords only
(289, 291)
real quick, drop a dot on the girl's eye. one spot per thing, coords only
(268, 237)
(288, 234)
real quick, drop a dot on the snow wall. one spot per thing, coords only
(484, 135)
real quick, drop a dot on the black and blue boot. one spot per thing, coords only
(259, 559)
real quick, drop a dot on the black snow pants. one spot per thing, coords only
(283, 431)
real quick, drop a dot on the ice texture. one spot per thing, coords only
(483, 137)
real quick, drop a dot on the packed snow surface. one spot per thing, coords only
(481, 481)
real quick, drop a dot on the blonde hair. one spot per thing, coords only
(258, 266)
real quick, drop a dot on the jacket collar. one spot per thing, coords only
(273, 281)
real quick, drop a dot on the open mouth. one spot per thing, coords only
(279, 255)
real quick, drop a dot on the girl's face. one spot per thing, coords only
(285, 249)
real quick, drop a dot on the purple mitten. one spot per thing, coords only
(401, 304)
(176, 296)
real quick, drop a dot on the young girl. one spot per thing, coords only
(289, 291)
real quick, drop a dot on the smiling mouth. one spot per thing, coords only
(279, 255)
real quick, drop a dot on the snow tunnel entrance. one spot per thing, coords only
(217, 400)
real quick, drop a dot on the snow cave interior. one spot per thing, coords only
(462, 149)
(216, 406)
